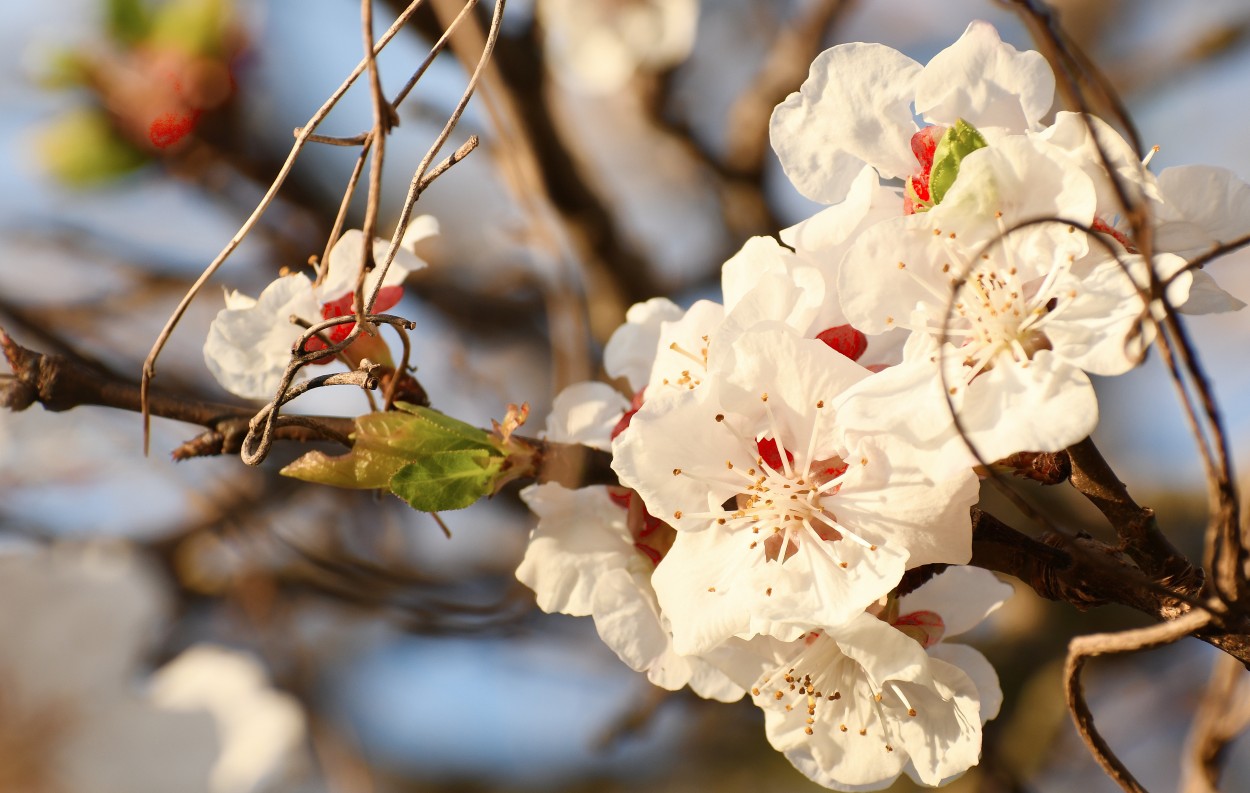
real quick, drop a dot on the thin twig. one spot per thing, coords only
(1082, 648)
(149, 364)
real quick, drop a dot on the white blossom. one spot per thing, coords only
(783, 520)
(250, 341)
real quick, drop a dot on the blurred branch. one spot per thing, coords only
(794, 49)
(1223, 714)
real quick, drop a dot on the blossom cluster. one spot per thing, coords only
(791, 452)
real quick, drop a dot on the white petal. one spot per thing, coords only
(1075, 134)
(854, 108)
(909, 506)
(944, 739)
(345, 260)
(877, 293)
(247, 349)
(1206, 296)
(1100, 329)
(961, 596)
(743, 270)
(1205, 207)
(581, 534)
(630, 353)
(986, 82)
(797, 374)
(677, 430)
(681, 351)
(419, 228)
(1016, 180)
(978, 669)
(1045, 406)
(628, 620)
(586, 413)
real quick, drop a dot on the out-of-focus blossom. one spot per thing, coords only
(76, 715)
(596, 46)
(260, 729)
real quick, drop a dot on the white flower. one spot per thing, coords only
(594, 550)
(597, 45)
(73, 719)
(855, 706)
(1035, 309)
(593, 555)
(859, 102)
(782, 520)
(250, 341)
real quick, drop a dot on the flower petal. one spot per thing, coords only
(853, 108)
(986, 82)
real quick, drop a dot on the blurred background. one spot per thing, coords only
(624, 155)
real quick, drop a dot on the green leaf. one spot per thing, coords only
(447, 480)
(958, 142)
(430, 460)
(361, 469)
(452, 432)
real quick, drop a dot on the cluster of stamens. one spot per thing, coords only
(994, 314)
(784, 499)
(808, 691)
(689, 379)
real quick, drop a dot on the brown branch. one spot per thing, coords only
(1082, 648)
(1136, 526)
(60, 383)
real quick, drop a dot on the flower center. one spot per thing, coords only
(828, 685)
(996, 314)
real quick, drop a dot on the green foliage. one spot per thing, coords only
(958, 142)
(431, 460)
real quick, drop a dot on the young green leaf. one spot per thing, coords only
(447, 480)
(959, 141)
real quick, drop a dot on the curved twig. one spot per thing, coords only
(1082, 648)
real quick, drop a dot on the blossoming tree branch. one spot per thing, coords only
(777, 495)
